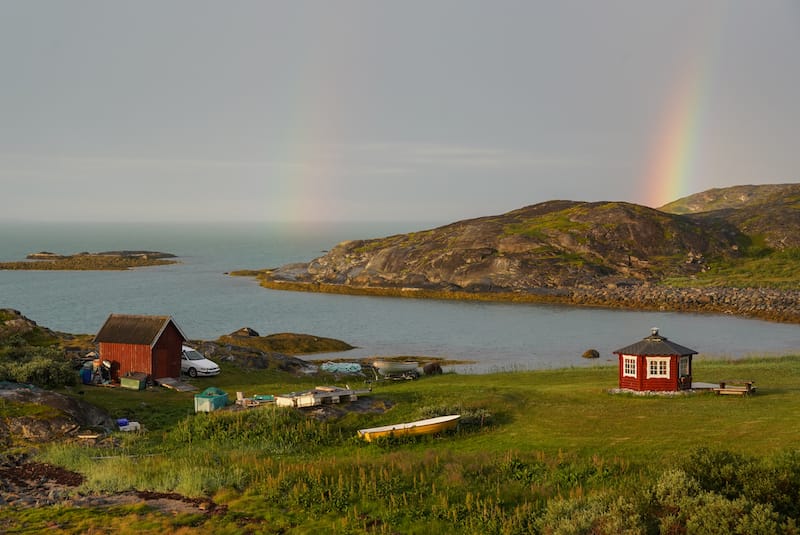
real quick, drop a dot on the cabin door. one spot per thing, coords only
(161, 366)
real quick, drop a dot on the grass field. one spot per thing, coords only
(539, 452)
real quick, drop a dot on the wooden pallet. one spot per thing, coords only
(175, 384)
(746, 388)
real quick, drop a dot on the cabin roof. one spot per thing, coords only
(134, 329)
(655, 344)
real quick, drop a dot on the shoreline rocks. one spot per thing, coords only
(761, 303)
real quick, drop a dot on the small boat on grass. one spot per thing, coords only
(395, 367)
(420, 427)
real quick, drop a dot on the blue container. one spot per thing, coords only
(122, 422)
(86, 375)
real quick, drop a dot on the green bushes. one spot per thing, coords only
(44, 367)
(724, 492)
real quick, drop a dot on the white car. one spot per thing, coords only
(194, 364)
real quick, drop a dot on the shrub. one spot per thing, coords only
(601, 515)
(41, 366)
(723, 472)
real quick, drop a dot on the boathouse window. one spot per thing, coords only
(657, 367)
(629, 367)
(685, 366)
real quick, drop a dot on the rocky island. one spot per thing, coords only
(107, 260)
(732, 250)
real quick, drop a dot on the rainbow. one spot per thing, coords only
(672, 169)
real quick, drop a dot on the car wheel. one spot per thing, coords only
(192, 372)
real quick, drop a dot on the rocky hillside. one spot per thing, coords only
(573, 251)
(768, 214)
(566, 244)
(549, 245)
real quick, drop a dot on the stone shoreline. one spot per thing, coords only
(761, 303)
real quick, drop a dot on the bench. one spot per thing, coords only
(739, 388)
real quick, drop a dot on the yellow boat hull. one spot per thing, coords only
(419, 427)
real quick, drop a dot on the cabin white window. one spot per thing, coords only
(684, 366)
(657, 367)
(629, 366)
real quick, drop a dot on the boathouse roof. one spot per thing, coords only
(134, 329)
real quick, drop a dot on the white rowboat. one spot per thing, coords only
(394, 367)
(420, 427)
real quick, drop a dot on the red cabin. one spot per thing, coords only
(655, 364)
(147, 344)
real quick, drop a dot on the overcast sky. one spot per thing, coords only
(187, 110)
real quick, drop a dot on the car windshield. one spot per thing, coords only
(193, 355)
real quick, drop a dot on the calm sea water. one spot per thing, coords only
(207, 303)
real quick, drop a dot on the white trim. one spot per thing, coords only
(662, 366)
(629, 359)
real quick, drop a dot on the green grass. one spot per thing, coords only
(544, 225)
(10, 409)
(548, 436)
(777, 269)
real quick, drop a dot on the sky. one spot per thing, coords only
(345, 110)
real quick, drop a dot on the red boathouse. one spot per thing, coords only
(147, 344)
(655, 364)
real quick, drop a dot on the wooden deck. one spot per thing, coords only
(175, 384)
(735, 388)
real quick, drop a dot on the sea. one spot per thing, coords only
(207, 302)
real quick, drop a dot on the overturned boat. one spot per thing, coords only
(395, 367)
(420, 427)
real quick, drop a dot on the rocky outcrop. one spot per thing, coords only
(13, 323)
(604, 253)
(68, 417)
(550, 245)
(25, 483)
(766, 213)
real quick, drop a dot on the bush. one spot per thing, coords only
(41, 366)
(723, 472)
(40, 371)
(601, 515)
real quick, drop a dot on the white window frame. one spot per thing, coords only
(626, 360)
(685, 368)
(662, 367)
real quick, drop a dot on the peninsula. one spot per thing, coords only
(85, 261)
(732, 250)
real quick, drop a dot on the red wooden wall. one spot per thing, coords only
(163, 361)
(167, 353)
(641, 382)
(126, 358)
